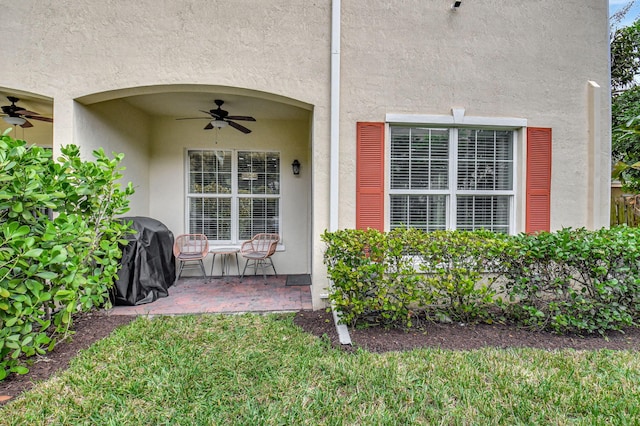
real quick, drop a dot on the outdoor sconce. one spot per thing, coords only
(296, 167)
(456, 5)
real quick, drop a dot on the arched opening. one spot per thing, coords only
(164, 130)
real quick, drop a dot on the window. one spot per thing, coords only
(233, 195)
(456, 178)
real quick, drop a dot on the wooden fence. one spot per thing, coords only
(625, 210)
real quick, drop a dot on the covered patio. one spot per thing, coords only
(197, 295)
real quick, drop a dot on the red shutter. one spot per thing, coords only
(538, 180)
(370, 176)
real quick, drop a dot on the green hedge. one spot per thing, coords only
(391, 278)
(572, 280)
(59, 243)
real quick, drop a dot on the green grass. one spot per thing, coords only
(255, 370)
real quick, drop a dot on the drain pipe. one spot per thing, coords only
(343, 331)
(335, 117)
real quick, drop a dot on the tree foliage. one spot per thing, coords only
(625, 56)
(625, 105)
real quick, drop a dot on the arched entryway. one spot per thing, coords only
(194, 178)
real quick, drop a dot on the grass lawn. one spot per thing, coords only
(255, 370)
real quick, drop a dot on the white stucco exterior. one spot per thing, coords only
(117, 74)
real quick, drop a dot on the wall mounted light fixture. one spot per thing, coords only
(296, 167)
(456, 4)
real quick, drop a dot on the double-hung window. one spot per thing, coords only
(452, 178)
(233, 195)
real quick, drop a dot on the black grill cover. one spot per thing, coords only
(147, 266)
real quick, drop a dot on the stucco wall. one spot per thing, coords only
(118, 127)
(73, 48)
(530, 59)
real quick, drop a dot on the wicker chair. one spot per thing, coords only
(190, 248)
(258, 251)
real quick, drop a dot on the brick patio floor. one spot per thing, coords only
(217, 295)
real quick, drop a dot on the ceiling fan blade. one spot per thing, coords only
(194, 118)
(239, 127)
(241, 117)
(37, 117)
(25, 112)
(206, 112)
(26, 124)
(209, 126)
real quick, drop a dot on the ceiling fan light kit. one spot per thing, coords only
(15, 121)
(219, 123)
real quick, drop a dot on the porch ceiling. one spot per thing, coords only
(28, 101)
(180, 104)
(189, 104)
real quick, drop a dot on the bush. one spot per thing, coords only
(574, 280)
(52, 267)
(372, 280)
(570, 281)
(391, 278)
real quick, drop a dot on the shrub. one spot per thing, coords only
(458, 269)
(569, 281)
(373, 282)
(391, 278)
(574, 280)
(52, 267)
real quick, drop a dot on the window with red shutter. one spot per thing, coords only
(451, 178)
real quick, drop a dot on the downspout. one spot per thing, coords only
(334, 170)
(334, 176)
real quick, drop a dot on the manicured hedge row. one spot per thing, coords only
(572, 280)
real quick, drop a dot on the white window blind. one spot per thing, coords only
(233, 195)
(455, 178)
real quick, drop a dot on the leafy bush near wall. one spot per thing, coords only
(390, 278)
(572, 280)
(52, 267)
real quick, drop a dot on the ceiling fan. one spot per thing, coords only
(221, 118)
(13, 114)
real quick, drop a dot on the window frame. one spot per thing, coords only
(452, 193)
(234, 195)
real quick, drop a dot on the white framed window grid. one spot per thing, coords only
(452, 178)
(232, 194)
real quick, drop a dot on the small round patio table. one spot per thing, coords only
(225, 259)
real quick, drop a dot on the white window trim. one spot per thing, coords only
(456, 119)
(453, 122)
(234, 196)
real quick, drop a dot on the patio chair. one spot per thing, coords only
(189, 248)
(258, 251)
